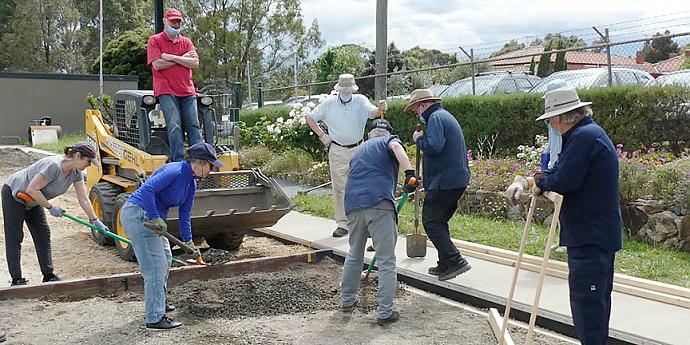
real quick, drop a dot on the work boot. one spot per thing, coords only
(349, 308)
(395, 316)
(51, 278)
(19, 281)
(454, 270)
(163, 324)
(3, 336)
(434, 271)
(340, 232)
(169, 308)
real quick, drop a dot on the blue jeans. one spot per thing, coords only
(180, 113)
(154, 257)
(590, 280)
(380, 224)
(439, 207)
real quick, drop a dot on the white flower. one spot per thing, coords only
(280, 120)
(277, 130)
(297, 106)
(521, 155)
(521, 147)
(302, 121)
(311, 105)
(311, 133)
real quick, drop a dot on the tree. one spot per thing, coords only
(658, 49)
(560, 64)
(127, 55)
(447, 77)
(532, 65)
(544, 66)
(348, 58)
(513, 45)
(229, 34)
(396, 62)
(6, 13)
(570, 41)
(422, 57)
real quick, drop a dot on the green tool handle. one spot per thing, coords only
(108, 233)
(401, 203)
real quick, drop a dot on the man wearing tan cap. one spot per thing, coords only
(445, 175)
(345, 114)
(586, 174)
(172, 57)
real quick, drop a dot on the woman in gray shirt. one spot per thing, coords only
(44, 180)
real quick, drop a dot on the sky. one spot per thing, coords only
(486, 24)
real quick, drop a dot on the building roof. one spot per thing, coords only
(670, 65)
(586, 59)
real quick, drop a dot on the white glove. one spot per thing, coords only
(326, 140)
(515, 190)
(416, 135)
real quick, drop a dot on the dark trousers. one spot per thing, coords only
(590, 281)
(14, 215)
(439, 207)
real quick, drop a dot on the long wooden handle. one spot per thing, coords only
(416, 191)
(174, 239)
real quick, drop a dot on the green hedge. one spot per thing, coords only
(251, 117)
(632, 116)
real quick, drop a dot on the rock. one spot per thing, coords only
(661, 227)
(684, 229)
(633, 219)
(650, 206)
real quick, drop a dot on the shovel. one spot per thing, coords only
(29, 199)
(416, 242)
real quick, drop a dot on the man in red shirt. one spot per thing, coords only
(172, 58)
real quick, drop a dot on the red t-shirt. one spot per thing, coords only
(176, 80)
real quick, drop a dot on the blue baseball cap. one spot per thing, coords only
(205, 152)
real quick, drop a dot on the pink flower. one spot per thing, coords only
(651, 150)
(492, 173)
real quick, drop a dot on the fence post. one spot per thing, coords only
(237, 101)
(607, 41)
(381, 58)
(471, 56)
(260, 95)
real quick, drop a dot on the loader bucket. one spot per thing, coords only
(234, 201)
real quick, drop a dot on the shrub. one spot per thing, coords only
(290, 165)
(255, 156)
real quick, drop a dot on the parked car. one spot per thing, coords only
(267, 104)
(681, 78)
(596, 77)
(492, 83)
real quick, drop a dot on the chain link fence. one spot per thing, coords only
(657, 60)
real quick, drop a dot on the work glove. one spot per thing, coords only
(197, 252)
(157, 225)
(97, 222)
(416, 135)
(326, 141)
(516, 189)
(383, 107)
(55, 211)
(410, 186)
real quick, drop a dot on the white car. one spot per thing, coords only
(589, 78)
(681, 78)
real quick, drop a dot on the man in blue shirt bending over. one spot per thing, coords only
(586, 174)
(369, 205)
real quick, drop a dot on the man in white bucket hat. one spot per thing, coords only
(345, 114)
(586, 174)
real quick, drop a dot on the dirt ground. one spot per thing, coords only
(298, 305)
(76, 255)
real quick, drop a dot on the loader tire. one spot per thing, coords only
(125, 250)
(102, 197)
(230, 241)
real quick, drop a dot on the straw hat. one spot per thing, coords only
(420, 95)
(346, 82)
(561, 101)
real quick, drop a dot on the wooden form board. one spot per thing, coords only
(495, 321)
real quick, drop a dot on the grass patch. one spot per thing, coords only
(636, 259)
(65, 140)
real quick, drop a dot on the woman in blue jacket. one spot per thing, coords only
(143, 218)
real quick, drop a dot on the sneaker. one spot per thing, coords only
(455, 270)
(51, 278)
(339, 232)
(19, 281)
(434, 271)
(349, 308)
(163, 324)
(371, 248)
(395, 316)
(3, 336)
(169, 308)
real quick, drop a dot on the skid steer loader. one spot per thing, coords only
(133, 143)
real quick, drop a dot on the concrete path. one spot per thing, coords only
(633, 319)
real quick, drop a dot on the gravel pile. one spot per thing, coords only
(13, 158)
(215, 256)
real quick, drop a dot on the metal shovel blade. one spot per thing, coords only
(416, 245)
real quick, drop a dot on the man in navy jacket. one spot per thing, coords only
(586, 174)
(445, 175)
